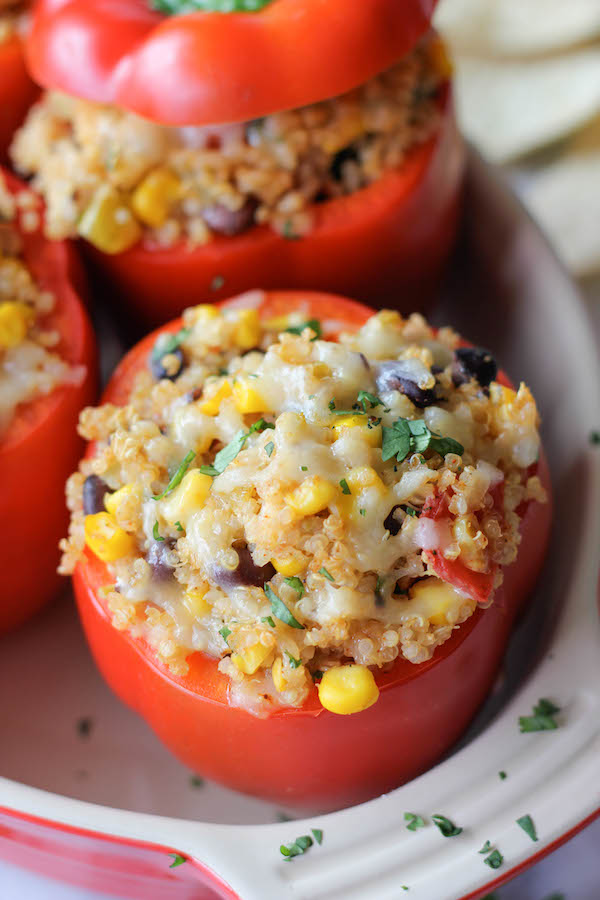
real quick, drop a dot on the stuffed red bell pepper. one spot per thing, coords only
(47, 374)
(254, 554)
(203, 153)
(17, 90)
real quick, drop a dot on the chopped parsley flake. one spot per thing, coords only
(494, 860)
(542, 718)
(413, 821)
(164, 346)
(177, 7)
(269, 448)
(313, 324)
(226, 456)
(294, 663)
(526, 823)
(595, 437)
(296, 584)
(196, 781)
(156, 533)
(411, 511)
(298, 848)
(486, 848)
(225, 632)
(178, 476)
(344, 486)
(413, 436)
(363, 512)
(178, 526)
(178, 860)
(317, 833)
(365, 397)
(323, 571)
(268, 620)
(447, 828)
(502, 775)
(280, 610)
(304, 468)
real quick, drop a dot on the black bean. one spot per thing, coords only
(473, 362)
(171, 370)
(391, 376)
(157, 558)
(94, 490)
(230, 221)
(246, 573)
(391, 523)
(348, 154)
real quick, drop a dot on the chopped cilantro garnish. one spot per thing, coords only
(448, 828)
(365, 397)
(155, 532)
(411, 511)
(344, 486)
(331, 404)
(178, 860)
(164, 346)
(413, 821)
(178, 526)
(179, 7)
(226, 456)
(317, 675)
(595, 437)
(178, 476)
(304, 468)
(300, 846)
(296, 584)
(526, 823)
(494, 860)
(225, 632)
(502, 775)
(317, 833)
(279, 609)
(413, 436)
(323, 571)
(542, 718)
(486, 847)
(268, 620)
(294, 663)
(363, 512)
(217, 283)
(196, 781)
(288, 231)
(269, 448)
(313, 324)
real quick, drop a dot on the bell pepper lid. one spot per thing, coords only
(210, 68)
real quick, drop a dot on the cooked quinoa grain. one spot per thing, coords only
(29, 366)
(115, 178)
(271, 504)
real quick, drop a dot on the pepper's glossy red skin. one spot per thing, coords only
(385, 244)
(206, 68)
(17, 91)
(310, 757)
(41, 447)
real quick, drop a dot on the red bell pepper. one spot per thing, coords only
(17, 91)
(203, 68)
(309, 757)
(41, 446)
(386, 244)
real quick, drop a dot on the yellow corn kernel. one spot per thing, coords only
(211, 405)
(389, 317)
(289, 565)
(279, 680)
(195, 602)
(465, 529)
(439, 59)
(278, 323)
(348, 689)
(312, 496)
(108, 222)
(14, 321)
(321, 370)
(362, 477)
(154, 197)
(187, 498)
(127, 492)
(203, 313)
(432, 598)
(247, 398)
(105, 538)
(371, 433)
(251, 659)
(248, 331)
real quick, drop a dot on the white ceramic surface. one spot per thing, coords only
(508, 293)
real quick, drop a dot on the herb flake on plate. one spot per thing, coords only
(413, 821)
(446, 826)
(542, 718)
(528, 826)
(178, 860)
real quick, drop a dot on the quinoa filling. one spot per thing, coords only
(29, 366)
(268, 495)
(114, 178)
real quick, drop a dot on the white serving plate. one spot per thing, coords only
(104, 810)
